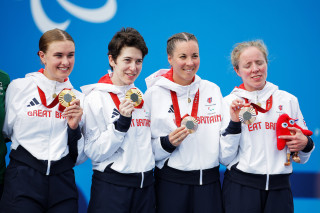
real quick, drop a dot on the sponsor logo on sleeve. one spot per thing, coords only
(33, 102)
(171, 109)
(115, 113)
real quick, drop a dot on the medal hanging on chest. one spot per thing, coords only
(65, 97)
(190, 122)
(132, 94)
(248, 114)
(135, 96)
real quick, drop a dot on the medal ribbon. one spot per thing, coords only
(107, 80)
(53, 103)
(176, 108)
(260, 109)
(115, 99)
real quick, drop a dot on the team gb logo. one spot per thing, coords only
(97, 15)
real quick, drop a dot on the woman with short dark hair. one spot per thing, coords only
(117, 132)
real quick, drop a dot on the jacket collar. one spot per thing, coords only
(163, 78)
(48, 86)
(258, 95)
(105, 85)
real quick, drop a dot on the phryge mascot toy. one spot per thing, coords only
(284, 121)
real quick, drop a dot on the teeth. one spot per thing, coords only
(64, 69)
(131, 74)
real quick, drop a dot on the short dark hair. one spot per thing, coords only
(171, 43)
(126, 37)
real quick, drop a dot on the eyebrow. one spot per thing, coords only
(128, 57)
(62, 53)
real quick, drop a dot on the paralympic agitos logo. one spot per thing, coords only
(97, 15)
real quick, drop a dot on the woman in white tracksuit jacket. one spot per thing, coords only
(117, 134)
(257, 179)
(187, 165)
(46, 138)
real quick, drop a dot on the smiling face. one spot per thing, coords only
(58, 60)
(185, 61)
(127, 66)
(252, 69)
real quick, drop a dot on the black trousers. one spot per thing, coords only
(240, 198)
(1, 190)
(182, 198)
(107, 197)
(28, 191)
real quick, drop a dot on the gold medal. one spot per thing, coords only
(247, 115)
(190, 123)
(66, 97)
(135, 96)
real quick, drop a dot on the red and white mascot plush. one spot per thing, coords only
(284, 121)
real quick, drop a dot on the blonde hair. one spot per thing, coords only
(240, 47)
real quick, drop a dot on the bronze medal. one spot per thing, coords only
(135, 96)
(66, 97)
(190, 123)
(247, 115)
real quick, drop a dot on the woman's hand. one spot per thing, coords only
(178, 135)
(296, 142)
(73, 114)
(126, 108)
(235, 108)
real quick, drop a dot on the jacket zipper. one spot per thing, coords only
(266, 154)
(51, 129)
(191, 103)
(138, 153)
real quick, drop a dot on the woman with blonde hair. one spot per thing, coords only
(257, 179)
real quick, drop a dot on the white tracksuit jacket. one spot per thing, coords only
(255, 148)
(199, 150)
(131, 151)
(40, 130)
